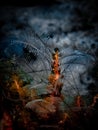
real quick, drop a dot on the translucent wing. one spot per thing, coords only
(29, 53)
(74, 65)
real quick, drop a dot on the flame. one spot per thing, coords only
(54, 78)
(16, 83)
(56, 66)
(57, 76)
(94, 100)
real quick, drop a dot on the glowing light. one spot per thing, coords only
(54, 78)
(94, 100)
(57, 76)
(17, 85)
(56, 65)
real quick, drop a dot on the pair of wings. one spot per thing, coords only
(29, 52)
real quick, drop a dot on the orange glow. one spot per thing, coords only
(54, 78)
(78, 101)
(57, 76)
(94, 100)
(17, 85)
(56, 66)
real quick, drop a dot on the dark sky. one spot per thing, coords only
(26, 2)
(40, 2)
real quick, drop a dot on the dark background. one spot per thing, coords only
(40, 2)
(28, 2)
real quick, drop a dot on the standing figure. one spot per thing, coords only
(55, 76)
